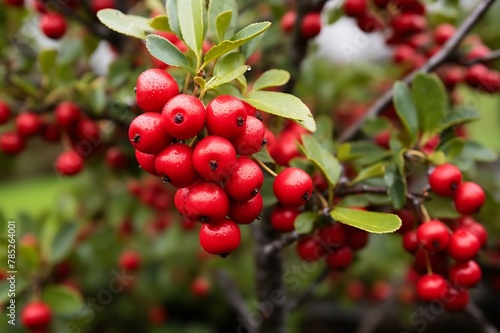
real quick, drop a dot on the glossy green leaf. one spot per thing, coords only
(163, 50)
(271, 78)
(405, 108)
(283, 105)
(160, 22)
(264, 156)
(479, 152)
(222, 23)
(62, 299)
(200, 82)
(47, 60)
(241, 37)
(63, 241)
(228, 77)
(228, 69)
(372, 171)
(396, 183)
(190, 15)
(373, 222)
(130, 25)
(431, 101)
(363, 152)
(452, 148)
(323, 159)
(173, 16)
(21, 286)
(217, 15)
(460, 115)
(304, 222)
(324, 131)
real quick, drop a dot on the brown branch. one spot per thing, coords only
(439, 58)
(280, 243)
(494, 55)
(475, 312)
(306, 294)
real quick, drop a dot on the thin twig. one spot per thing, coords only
(439, 58)
(475, 312)
(281, 243)
(493, 55)
(306, 294)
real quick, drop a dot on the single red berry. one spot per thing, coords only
(246, 212)
(406, 23)
(226, 116)
(370, 22)
(285, 148)
(288, 21)
(69, 163)
(476, 75)
(180, 199)
(293, 187)
(444, 179)
(456, 299)
(477, 230)
(310, 26)
(115, 158)
(403, 54)
(222, 238)
(67, 114)
(50, 132)
(420, 41)
(251, 140)
(251, 110)
(11, 143)
(433, 235)
(452, 76)
(355, 8)
(36, 316)
(147, 134)
(356, 238)
(88, 130)
(97, 5)
(382, 139)
(28, 124)
(183, 116)
(200, 287)
(130, 260)
(478, 51)
(431, 287)
(245, 180)
(309, 249)
(283, 218)
(4, 113)
(175, 165)
(443, 32)
(407, 220)
(469, 198)
(334, 235)
(146, 162)
(207, 202)
(154, 88)
(214, 157)
(15, 3)
(463, 245)
(465, 274)
(53, 25)
(339, 258)
(410, 241)
(157, 315)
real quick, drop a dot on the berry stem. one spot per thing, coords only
(265, 167)
(186, 83)
(322, 199)
(428, 262)
(193, 141)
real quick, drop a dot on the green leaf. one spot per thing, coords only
(63, 241)
(249, 48)
(163, 50)
(130, 25)
(441, 207)
(373, 171)
(228, 77)
(396, 184)
(173, 16)
(28, 259)
(364, 152)
(47, 60)
(264, 156)
(323, 159)
(283, 105)
(215, 20)
(405, 108)
(21, 286)
(324, 131)
(190, 15)
(271, 78)
(227, 69)
(452, 148)
(160, 22)
(62, 299)
(373, 222)
(267, 192)
(200, 82)
(241, 37)
(97, 94)
(304, 222)
(431, 101)
(460, 115)
(479, 152)
(437, 157)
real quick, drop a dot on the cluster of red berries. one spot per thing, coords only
(310, 26)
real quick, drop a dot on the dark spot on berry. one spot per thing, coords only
(165, 179)
(204, 219)
(135, 90)
(436, 244)
(136, 138)
(241, 121)
(213, 165)
(259, 217)
(179, 118)
(454, 186)
(264, 142)
(306, 196)
(224, 255)
(255, 191)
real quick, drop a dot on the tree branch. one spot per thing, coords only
(439, 58)
(475, 312)
(280, 243)
(306, 294)
(494, 55)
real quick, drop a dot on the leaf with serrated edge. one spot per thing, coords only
(190, 15)
(304, 222)
(173, 18)
(130, 25)
(160, 22)
(271, 78)
(219, 80)
(373, 222)
(222, 23)
(431, 102)
(323, 159)
(215, 9)
(283, 105)
(163, 50)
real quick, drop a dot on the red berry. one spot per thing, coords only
(463, 245)
(175, 165)
(4, 113)
(370, 22)
(403, 54)
(339, 258)
(456, 299)
(130, 260)
(222, 238)
(146, 162)
(36, 316)
(147, 134)
(246, 212)
(444, 180)
(183, 116)
(214, 157)
(69, 163)
(53, 25)
(407, 220)
(252, 139)
(28, 124)
(87, 129)
(443, 32)
(406, 23)
(469, 198)
(293, 187)
(477, 230)
(97, 5)
(309, 249)
(200, 287)
(67, 114)
(15, 3)
(465, 274)
(310, 26)
(355, 8)
(476, 75)
(180, 200)
(433, 235)
(283, 218)
(207, 202)
(50, 132)
(226, 116)
(410, 241)
(288, 21)
(154, 88)
(334, 235)
(478, 51)
(285, 148)
(356, 238)
(453, 76)
(245, 180)
(115, 158)
(11, 143)
(431, 287)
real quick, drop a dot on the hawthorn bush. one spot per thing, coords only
(215, 173)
